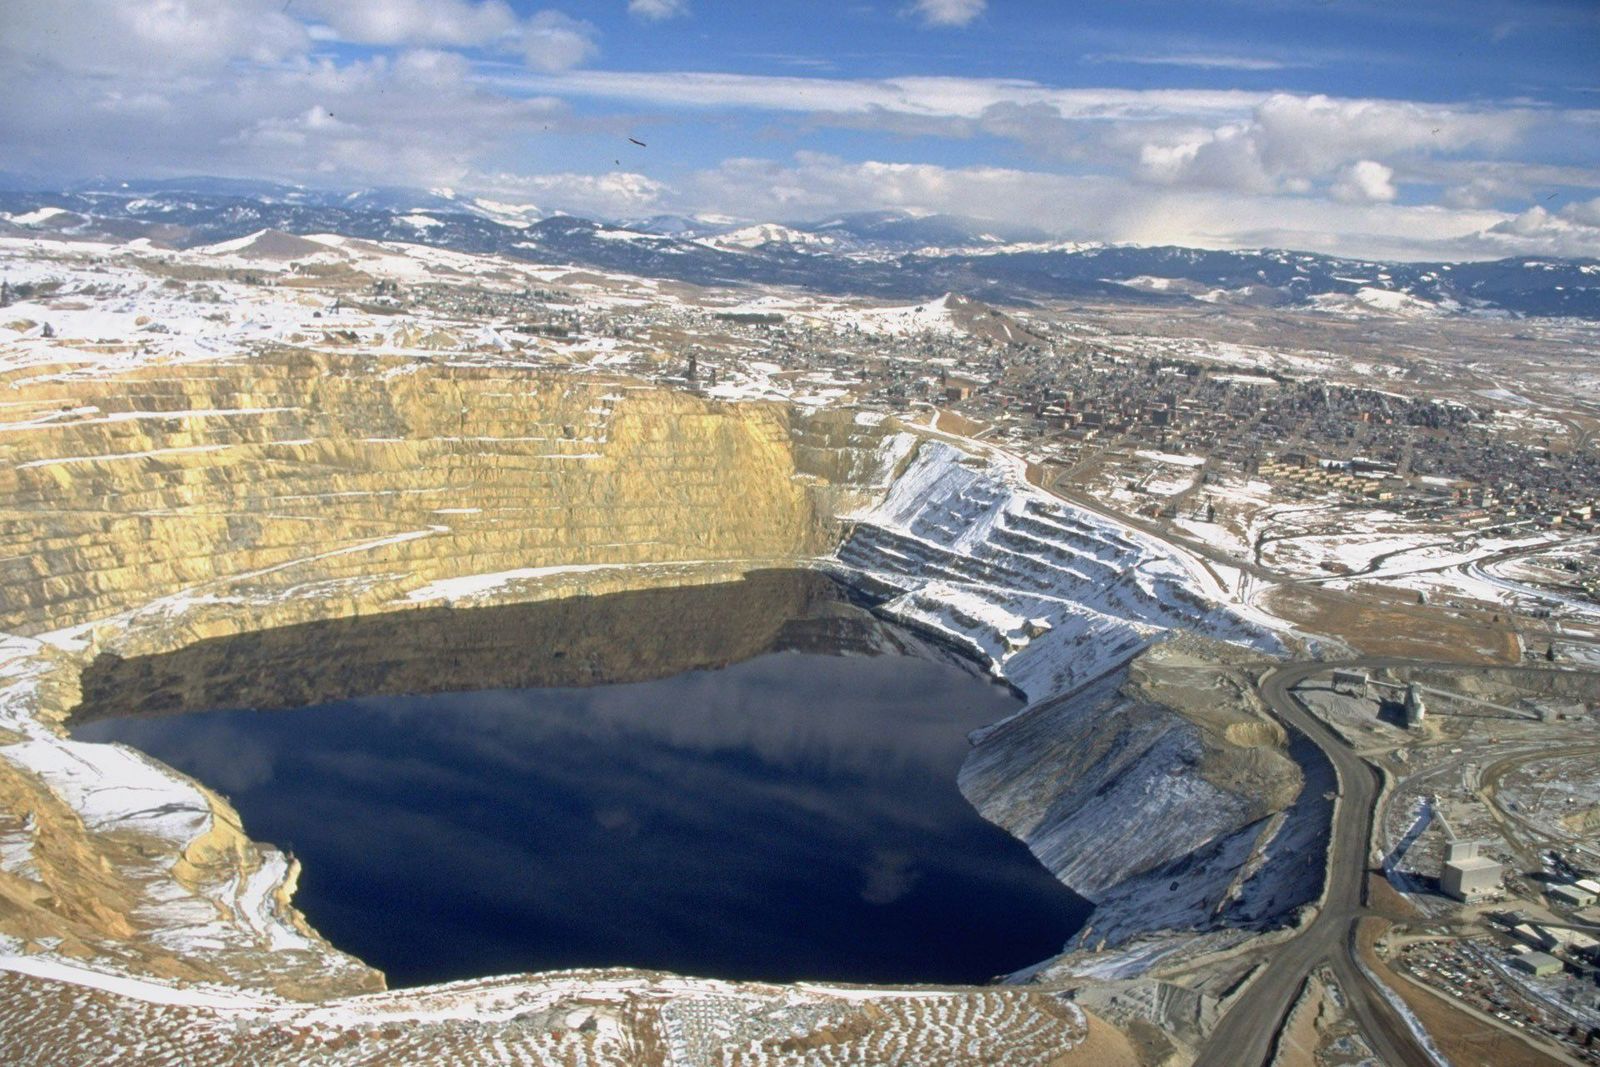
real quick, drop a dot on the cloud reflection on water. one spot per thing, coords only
(795, 815)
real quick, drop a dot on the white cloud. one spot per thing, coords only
(1364, 182)
(456, 23)
(457, 92)
(552, 41)
(656, 10)
(548, 39)
(1246, 141)
(1572, 231)
(949, 97)
(1289, 141)
(1478, 192)
(414, 118)
(948, 12)
(235, 87)
(1583, 212)
(613, 195)
(1195, 60)
(113, 37)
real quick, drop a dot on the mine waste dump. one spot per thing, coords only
(748, 780)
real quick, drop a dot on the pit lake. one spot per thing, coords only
(791, 815)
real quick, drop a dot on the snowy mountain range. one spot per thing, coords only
(881, 254)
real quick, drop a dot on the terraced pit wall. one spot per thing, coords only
(282, 489)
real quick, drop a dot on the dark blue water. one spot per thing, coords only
(792, 816)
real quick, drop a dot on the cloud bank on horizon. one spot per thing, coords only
(1353, 127)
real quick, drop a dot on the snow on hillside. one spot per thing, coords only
(103, 309)
(520, 216)
(769, 233)
(1050, 596)
(34, 218)
(1372, 301)
(115, 789)
(994, 247)
(931, 317)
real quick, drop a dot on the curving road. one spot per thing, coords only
(1247, 1033)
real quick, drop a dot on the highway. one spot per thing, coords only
(1246, 1034)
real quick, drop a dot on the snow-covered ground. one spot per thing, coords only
(1050, 595)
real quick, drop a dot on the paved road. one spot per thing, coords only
(1245, 1036)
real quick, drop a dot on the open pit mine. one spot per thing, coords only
(234, 478)
(158, 509)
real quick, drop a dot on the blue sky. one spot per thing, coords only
(1467, 128)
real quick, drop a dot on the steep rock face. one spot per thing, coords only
(356, 481)
(1099, 788)
(1159, 793)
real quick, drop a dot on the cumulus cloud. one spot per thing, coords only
(657, 10)
(1583, 213)
(1364, 182)
(459, 92)
(948, 12)
(549, 40)
(1289, 142)
(553, 41)
(419, 22)
(1478, 192)
(237, 87)
(110, 37)
(412, 118)
(1574, 230)
(1255, 142)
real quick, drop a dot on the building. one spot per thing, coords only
(957, 389)
(1467, 876)
(1416, 710)
(1570, 895)
(1538, 964)
(1352, 682)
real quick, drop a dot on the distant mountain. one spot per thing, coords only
(890, 255)
(894, 229)
(769, 235)
(682, 225)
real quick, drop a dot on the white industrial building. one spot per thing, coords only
(1468, 876)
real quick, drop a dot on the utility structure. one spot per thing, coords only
(1352, 683)
(1466, 876)
(1416, 710)
(1445, 702)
